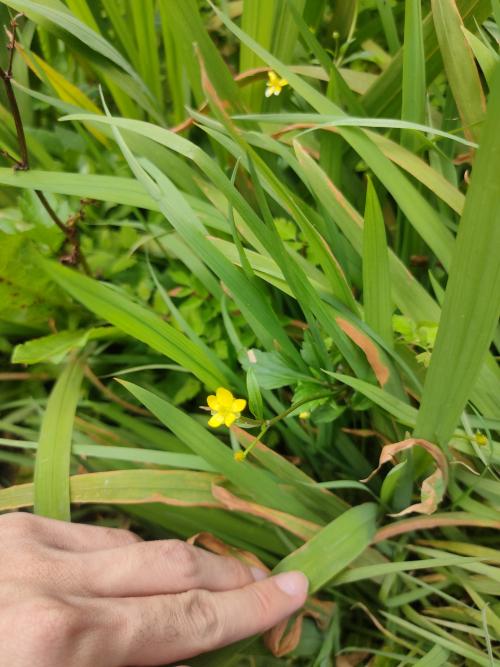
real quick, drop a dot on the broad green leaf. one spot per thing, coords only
(142, 17)
(335, 547)
(26, 302)
(56, 346)
(51, 493)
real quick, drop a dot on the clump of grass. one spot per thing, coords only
(326, 251)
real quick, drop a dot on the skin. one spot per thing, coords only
(87, 596)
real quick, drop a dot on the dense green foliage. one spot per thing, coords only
(328, 252)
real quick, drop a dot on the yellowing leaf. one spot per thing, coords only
(64, 89)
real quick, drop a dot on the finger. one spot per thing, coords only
(64, 535)
(161, 566)
(171, 628)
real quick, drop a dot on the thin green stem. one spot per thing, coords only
(268, 423)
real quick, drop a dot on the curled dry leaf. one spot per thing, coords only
(284, 637)
(433, 487)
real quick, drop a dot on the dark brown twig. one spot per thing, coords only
(70, 229)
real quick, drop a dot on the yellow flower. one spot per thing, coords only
(225, 407)
(481, 439)
(275, 84)
(304, 415)
(239, 456)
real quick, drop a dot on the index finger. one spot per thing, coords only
(170, 628)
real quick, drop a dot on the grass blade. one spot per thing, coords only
(247, 478)
(460, 67)
(376, 279)
(346, 537)
(257, 20)
(389, 25)
(51, 482)
(472, 299)
(172, 487)
(135, 320)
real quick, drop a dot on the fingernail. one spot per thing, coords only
(258, 574)
(292, 583)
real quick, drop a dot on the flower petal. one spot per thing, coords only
(273, 77)
(229, 419)
(225, 398)
(269, 91)
(282, 82)
(212, 402)
(216, 420)
(277, 90)
(239, 404)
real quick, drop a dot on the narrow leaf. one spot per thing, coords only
(51, 485)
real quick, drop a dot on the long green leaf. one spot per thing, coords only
(335, 547)
(51, 484)
(175, 487)
(135, 320)
(460, 67)
(418, 211)
(246, 477)
(472, 300)
(383, 98)
(135, 454)
(376, 278)
(65, 20)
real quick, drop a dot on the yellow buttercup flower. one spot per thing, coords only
(275, 84)
(239, 455)
(225, 408)
(481, 439)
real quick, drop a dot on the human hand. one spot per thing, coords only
(81, 595)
